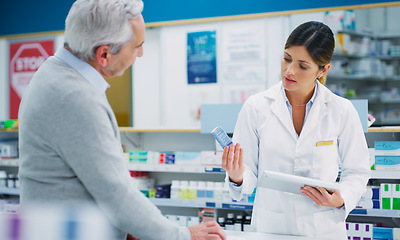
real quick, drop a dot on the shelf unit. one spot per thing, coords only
(193, 140)
(9, 191)
(367, 73)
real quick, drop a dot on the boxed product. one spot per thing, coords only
(211, 158)
(187, 158)
(9, 124)
(387, 148)
(387, 162)
(167, 158)
(9, 149)
(137, 156)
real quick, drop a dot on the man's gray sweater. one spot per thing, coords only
(70, 150)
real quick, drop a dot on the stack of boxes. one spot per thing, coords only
(359, 231)
(387, 155)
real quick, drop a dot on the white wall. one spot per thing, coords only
(146, 83)
(4, 87)
(162, 96)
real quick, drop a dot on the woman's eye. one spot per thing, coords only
(287, 59)
(302, 67)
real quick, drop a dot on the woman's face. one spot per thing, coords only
(298, 70)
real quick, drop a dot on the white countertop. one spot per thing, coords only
(235, 235)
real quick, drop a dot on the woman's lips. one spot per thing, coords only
(289, 80)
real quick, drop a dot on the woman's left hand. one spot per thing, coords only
(322, 197)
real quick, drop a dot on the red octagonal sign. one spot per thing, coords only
(25, 60)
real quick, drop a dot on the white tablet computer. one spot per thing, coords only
(292, 183)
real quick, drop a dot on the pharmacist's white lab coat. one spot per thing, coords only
(266, 133)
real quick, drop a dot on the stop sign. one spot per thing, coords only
(25, 60)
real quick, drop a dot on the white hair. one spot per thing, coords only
(93, 23)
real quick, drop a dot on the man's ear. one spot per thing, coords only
(102, 55)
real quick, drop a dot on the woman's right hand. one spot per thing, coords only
(232, 163)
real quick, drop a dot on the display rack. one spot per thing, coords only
(365, 74)
(194, 140)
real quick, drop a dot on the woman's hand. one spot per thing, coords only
(232, 163)
(322, 197)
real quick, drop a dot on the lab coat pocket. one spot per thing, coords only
(325, 159)
(327, 225)
(270, 222)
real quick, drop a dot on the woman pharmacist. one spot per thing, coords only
(299, 127)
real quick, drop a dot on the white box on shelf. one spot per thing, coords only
(211, 158)
(188, 158)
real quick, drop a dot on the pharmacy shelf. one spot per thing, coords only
(387, 213)
(359, 78)
(166, 202)
(390, 129)
(175, 168)
(8, 134)
(144, 130)
(12, 162)
(9, 191)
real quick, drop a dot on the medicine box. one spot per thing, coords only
(211, 158)
(387, 148)
(137, 156)
(387, 162)
(167, 158)
(382, 233)
(188, 158)
(386, 196)
(9, 150)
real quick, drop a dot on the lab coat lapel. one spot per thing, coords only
(279, 108)
(317, 112)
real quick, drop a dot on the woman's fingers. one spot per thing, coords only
(235, 162)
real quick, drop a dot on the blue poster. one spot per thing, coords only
(201, 57)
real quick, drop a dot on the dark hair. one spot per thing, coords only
(318, 39)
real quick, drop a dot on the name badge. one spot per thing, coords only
(324, 143)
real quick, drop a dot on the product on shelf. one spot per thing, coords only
(192, 190)
(187, 158)
(9, 124)
(163, 191)
(175, 186)
(183, 190)
(361, 231)
(230, 222)
(247, 224)
(221, 222)
(238, 226)
(3, 179)
(9, 149)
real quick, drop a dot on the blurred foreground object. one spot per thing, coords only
(39, 222)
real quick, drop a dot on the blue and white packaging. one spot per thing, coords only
(387, 148)
(387, 163)
(382, 233)
(221, 136)
(188, 158)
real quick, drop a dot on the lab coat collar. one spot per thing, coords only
(317, 113)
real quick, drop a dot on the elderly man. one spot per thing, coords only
(70, 147)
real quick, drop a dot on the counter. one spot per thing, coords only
(235, 235)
